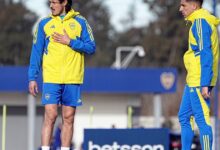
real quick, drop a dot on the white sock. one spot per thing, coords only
(45, 148)
(65, 148)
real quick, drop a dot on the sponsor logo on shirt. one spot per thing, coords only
(52, 27)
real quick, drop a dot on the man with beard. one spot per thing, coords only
(59, 45)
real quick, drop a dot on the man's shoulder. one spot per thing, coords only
(80, 18)
(45, 19)
(201, 21)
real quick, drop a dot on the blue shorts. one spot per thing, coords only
(64, 94)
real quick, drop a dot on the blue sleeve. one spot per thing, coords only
(85, 43)
(36, 53)
(202, 32)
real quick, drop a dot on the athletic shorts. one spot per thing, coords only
(64, 94)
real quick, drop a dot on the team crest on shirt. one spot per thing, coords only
(47, 96)
(72, 25)
(167, 80)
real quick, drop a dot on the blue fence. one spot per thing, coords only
(103, 80)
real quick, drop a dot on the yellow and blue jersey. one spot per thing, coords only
(201, 62)
(61, 64)
(201, 59)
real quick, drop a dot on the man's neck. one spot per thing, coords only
(63, 14)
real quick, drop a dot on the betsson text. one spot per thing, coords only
(116, 146)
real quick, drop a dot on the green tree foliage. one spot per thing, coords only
(99, 19)
(15, 38)
(16, 32)
(164, 40)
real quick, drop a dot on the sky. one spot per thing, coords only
(119, 10)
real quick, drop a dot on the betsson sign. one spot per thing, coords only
(126, 139)
(116, 146)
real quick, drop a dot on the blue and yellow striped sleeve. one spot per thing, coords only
(37, 52)
(202, 32)
(85, 43)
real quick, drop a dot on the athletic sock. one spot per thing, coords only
(65, 148)
(45, 148)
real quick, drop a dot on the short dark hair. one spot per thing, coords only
(198, 1)
(68, 5)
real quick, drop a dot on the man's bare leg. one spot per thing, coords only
(68, 114)
(50, 116)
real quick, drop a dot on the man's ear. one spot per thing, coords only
(195, 6)
(64, 3)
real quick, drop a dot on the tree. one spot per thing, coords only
(15, 38)
(98, 17)
(167, 37)
(164, 40)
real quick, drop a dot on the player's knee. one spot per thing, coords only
(68, 118)
(51, 117)
(180, 118)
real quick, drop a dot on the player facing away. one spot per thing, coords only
(201, 62)
(59, 45)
